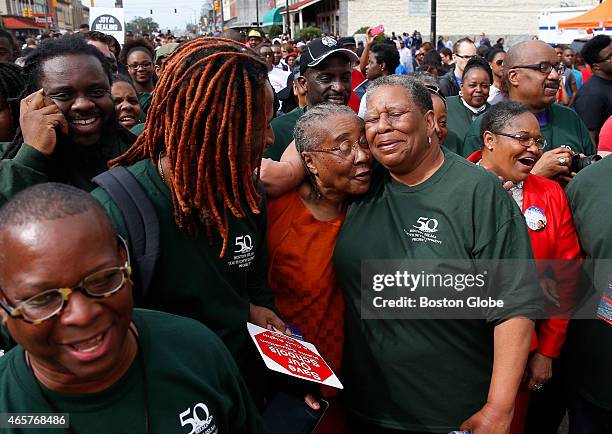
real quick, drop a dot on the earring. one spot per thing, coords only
(460, 93)
(490, 147)
(429, 140)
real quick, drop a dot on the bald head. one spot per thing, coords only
(523, 76)
(528, 52)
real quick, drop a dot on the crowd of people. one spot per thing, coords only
(157, 196)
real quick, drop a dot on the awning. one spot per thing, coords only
(598, 17)
(272, 17)
(302, 4)
(18, 23)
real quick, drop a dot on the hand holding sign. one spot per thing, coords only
(289, 356)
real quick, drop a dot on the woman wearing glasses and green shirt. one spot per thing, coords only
(137, 54)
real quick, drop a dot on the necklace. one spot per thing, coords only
(160, 168)
(144, 385)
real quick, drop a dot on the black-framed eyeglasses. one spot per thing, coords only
(143, 65)
(346, 149)
(605, 59)
(525, 141)
(469, 56)
(49, 303)
(544, 67)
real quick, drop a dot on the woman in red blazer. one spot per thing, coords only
(512, 145)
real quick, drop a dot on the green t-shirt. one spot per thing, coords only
(191, 280)
(589, 342)
(564, 128)
(190, 377)
(283, 133)
(137, 129)
(75, 166)
(144, 99)
(427, 375)
(458, 120)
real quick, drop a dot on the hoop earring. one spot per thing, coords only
(460, 93)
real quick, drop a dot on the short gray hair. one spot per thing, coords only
(417, 91)
(307, 132)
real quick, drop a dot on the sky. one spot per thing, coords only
(163, 11)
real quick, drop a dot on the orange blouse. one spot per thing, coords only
(301, 274)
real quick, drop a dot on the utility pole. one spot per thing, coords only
(222, 17)
(287, 18)
(433, 23)
(257, 12)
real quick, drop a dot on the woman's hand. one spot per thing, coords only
(311, 401)
(555, 162)
(266, 318)
(539, 370)
(489, 420)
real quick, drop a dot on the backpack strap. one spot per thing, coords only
(141, 222)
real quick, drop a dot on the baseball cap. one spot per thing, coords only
(317, 50)
(346, 40)
(165, 51)
(254, 34)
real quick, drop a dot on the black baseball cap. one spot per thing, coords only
(317, 50)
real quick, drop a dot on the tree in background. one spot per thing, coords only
(308, 33)
(275, 31)
(142, 25)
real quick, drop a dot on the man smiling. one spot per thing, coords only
(532, 75)
(83, 350)
(68, 130)
(325, 76)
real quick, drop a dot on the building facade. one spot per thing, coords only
(63, 15)
(496, 18)
(454, 17)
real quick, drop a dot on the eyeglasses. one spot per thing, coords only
(136, 66)
(605, 59)
(47, 304)
(525, 141)
(499, 62)
(544, 67)
(347, 149)
(466, 57)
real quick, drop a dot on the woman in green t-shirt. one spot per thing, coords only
(425, 203)
(470, 103)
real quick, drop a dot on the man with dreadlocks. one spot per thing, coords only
(68, 130)
(195, 160)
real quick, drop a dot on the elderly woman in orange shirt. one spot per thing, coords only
(303, 225)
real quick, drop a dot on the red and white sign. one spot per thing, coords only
(284, 354)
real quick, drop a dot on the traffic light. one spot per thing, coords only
(27, 12)
(151, 11)
(216, 5)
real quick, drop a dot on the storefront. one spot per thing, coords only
(323, 14)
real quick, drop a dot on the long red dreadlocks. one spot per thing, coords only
(204, 116)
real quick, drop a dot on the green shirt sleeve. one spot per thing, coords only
(259, 292)
(27, 168)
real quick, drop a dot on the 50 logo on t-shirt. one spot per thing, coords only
(200, 419)
(424, 230)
